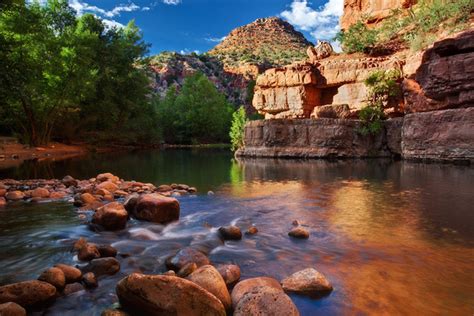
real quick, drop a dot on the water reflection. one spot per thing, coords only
(394, 238)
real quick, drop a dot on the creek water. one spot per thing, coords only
(393, 237)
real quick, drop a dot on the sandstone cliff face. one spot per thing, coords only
(438, 89)
(377, 10)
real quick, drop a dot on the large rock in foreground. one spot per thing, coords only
(266, 300)
(12, 309)
(166, 295)
(246, 286)
(156, 208)
(210, 279)
(28, 293)
(439, 135)
(308, 281)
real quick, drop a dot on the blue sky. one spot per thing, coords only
(198, 25)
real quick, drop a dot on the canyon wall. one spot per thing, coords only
(311, 107)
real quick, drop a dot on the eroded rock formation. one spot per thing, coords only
(375, 10)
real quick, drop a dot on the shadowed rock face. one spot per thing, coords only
(445, 76)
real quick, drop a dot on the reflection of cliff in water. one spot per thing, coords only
(424, 195)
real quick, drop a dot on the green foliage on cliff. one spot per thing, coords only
(415, 27)
(198, 114)
(239, 119)
(62, 76)
(358, 38)
(383, 88)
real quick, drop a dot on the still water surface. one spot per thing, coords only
(395, 238)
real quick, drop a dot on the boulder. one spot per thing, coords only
(130, 202)
(322, 50)
(166, 295)
(107, 251)
(112, 216)
(156, 208)
(87, 198)
(89, 280)
(71, 273)
(245, 286)
(308, 281)
(12, 309)
(186, 256)
(264, 300)
(210, 279)
(28, 293)
(88, 252)
(164, 188)
(331, 111)
(102, 266)
(299, 232)
(108, 186)
(230, 273)
(15, 195)
(3, 192)
(54, 276)
(107, 177)
(40, 193)
(3, 202)
(230, 232)
(57, 195)
(69, 181)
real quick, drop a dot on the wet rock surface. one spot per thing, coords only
(308, 281)
(230, 232)
(28, 293)
(12, 309)
(246, 286)
(210, 279)
(264, 300)
(102, 266)
(230, 273)
(54, 276)
(186, 256)
(166, 295)
(156, 208)
(299, 232)
(112, 216)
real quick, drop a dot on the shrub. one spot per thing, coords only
(383, 88)
(239, 118)
(358, 38)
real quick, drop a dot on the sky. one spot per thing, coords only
(187, 26)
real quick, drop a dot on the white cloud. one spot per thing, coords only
(215, 39)
(112, 23)
(322, 23)
(187, 51)
(172, 2)
(146, 9)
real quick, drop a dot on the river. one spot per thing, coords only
(392, 237)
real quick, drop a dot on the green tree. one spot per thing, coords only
(239, 119)
(199, 113)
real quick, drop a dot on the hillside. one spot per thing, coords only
(234, 63)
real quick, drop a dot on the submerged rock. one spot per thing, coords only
(112, 216)
(166, 295)
(230, 232)
(265, 300)
(252, 230)
(186, 256)
(210, 279)
(103, 266)
(12, 309)
(107, 251)
(54, 276)
(71, 274)
(245, 286)
(28, 293)
(73, 288)
(156, 208)
(230, 273)
(299, 232)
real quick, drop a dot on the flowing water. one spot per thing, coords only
(394, 238)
